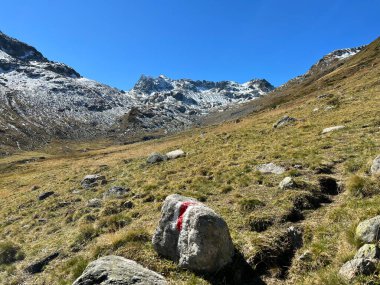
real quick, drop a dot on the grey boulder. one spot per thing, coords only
(117, 270)
(193, 235)
(94, 203)
(375, 168)
(368, 231)
(357, 266)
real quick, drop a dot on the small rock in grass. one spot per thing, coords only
(331, 129)
(94, 203)
(116, 192)
(368, 251)
(375, 168)
(175, 154)
(287, 183)
(93, 180)
(156, 158)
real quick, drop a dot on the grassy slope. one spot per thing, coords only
(219, 169)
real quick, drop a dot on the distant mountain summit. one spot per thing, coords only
(42, 100)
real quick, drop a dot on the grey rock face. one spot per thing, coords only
(355, 267)
(287, 183)
(270, 168)
(175, 154)
(155, 158)
(331, 129)
(116, 192)
(193, 235)
(117, 270)
(368, 231)
(368, 251)
(93, 180)
(375, 168)
(284, 121)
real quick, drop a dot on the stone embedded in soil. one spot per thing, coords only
(368, 231)
(93, 180)
(375, 167)
(270, 168)
(355, 267)
(117, 270)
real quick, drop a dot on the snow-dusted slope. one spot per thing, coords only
(41, 100)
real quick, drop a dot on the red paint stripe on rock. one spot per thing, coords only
(182, 209)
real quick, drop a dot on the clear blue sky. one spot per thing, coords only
(116, 41)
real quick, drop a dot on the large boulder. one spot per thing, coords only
(117, 270)
(357, 266)
(93, 180)
(375, 168)
(368, 231)
(193, 235)
(175, 154)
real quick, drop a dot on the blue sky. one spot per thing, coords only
(116, 41)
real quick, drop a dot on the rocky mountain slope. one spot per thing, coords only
(294, 207)
(42, 100)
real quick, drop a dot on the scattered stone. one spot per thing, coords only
(357, 266)
(368, 251)
(287, 183)
(117, 270)
(297, 166)
(330, 107)
(175, 154)
(375, 168)
(331, 129)
(193, 235)
(284, 121)
(39, 265)
(116, 192)
(368, 231)
(94, 203)
(93, 180)
(315, 109)
(324, 96)
(45, 195)
(270, 168)
(156, 158)
(76, 191)
(34, 188)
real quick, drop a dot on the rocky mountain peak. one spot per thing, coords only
(19, 50)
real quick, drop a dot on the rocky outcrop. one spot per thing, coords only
(117, 270)
(193, 235)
